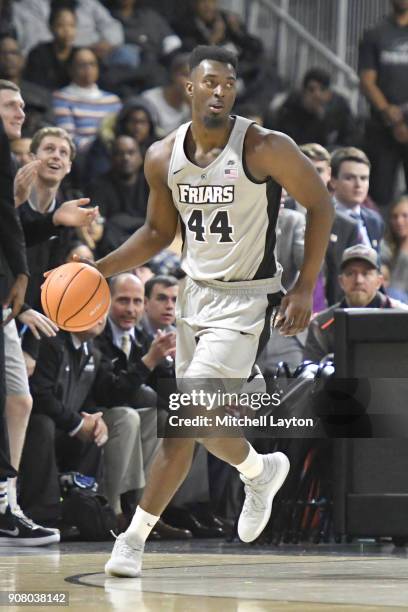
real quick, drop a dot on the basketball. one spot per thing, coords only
(75, 296)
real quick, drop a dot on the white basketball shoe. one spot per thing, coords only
(259, 494)
(126, 559)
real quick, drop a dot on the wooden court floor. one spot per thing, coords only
(201, 576)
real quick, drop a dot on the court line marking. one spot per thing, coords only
(76, 580)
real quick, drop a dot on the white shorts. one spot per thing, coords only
(222, 326)
(15, 367)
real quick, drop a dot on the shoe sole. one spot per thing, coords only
(118, 573)
(52, 539)
(278, 481)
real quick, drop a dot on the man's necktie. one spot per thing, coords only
(126, 344)
(356, 217)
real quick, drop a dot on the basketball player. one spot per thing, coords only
(221, 176)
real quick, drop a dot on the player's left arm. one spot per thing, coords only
(279, 157)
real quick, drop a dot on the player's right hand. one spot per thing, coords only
(84, 260)
(294, 312)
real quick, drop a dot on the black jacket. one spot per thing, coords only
(12, 245)
(344, 234)
(45, 69)
(154, 385)
(336, 128)
(46, 247)
(374, 225)
(66, 381)
(117, 357)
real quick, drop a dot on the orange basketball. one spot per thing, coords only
(75, 296)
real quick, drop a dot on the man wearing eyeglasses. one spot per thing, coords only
(361, 279)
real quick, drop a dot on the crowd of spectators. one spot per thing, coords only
(85, 88)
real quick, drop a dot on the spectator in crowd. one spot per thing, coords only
(20, 147)
(350, 177)
(96, 27)
(65, 430)
(47, 63)
(18, 400)
(383, 64)
(125, 345)
(344, 234)
(36, 195)
(394, 252)
(12, 256)
(204, 23)
(159, 316)
(170, 101)
(121, 193)
(80, 107)
(136, 119)
(150, 41)
(38, 103)
(14, 528)
(47, 223)
(397, 294)
(315, 114)
(160, 305)
(360, 279)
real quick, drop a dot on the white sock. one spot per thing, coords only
(3, 496)
(252, 466)
(141, 525)
(12, 493)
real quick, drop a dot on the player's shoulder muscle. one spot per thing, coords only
(157, 160)
(266, 149)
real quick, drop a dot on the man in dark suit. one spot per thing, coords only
(350, 180)
(344, 233)
(72, 380)
(160, 305)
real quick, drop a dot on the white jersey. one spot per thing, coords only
(228, 218)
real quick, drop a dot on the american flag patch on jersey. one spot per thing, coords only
(231, 173)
